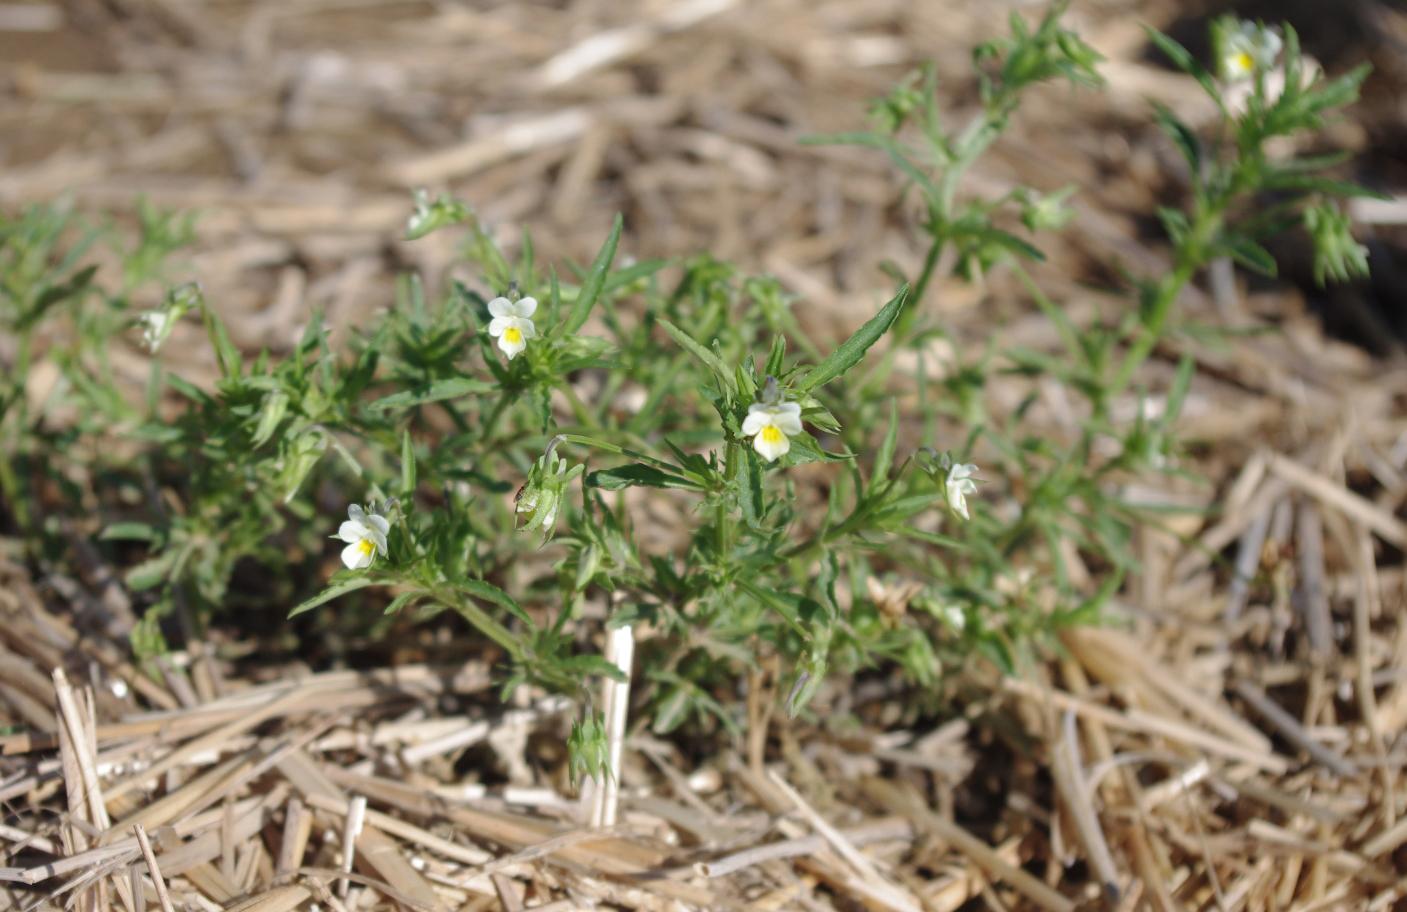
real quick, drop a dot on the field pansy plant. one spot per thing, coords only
(512, 324)
(365, 535)
(761, 559)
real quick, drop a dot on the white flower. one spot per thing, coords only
(154, 328)
(1247, 48)
(512, 325)
(952, 615)
(365, 535)
(959, 485)
(769, 426)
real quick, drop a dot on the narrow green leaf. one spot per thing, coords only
(635, 475)
(897, 154)
(1177, 392)
(491, 593)
(336, 590)
(128, 531)
(1250, 254)
(407, 465)
(225, 351)
(402, 600)
(591, 666)
(1183, 60)
(1312, 183)
(448, 388)
(1183, 136)
(776, 357)
(697, 349)
(854, 348)
(750, 497)
(595, 281)
(151, 573)
(275, 407)
(884, 459)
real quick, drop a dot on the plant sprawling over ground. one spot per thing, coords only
(499, 449)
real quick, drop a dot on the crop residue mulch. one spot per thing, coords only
(1232, 741)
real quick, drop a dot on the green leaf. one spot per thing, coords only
(854, 348)
(448, 388)
(407, 465)
(336, 590)
(402, 600)
(884, 459)
(591, 666)
(491, 593)
(1183, 60)
(128, 531)
(1311, 183)
(695, 348)
(1249, 254)
(776, 357)
(750, 496)
(1182, 136)
(595, 281)
(56, 294)
(897, 154)
(637, 474)
(275, 407)
(225, 351)
(1177, 392)
(189, 390)
(804, 449)
(151, 573)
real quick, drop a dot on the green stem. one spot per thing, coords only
(494, 415)
(971, 143)
(485, 624)
(1191, 255)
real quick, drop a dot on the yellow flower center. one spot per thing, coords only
(1244, 62)
(367, 547)
(513, 335)
(771, 434)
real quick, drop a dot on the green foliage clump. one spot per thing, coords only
(508, 434)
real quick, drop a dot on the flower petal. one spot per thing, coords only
(754, 422)
(498, 324)
(351, 531)
(771, 450)
(526, 325)
(356, 557)
(501, 307)
(355, 512)
(525, 307)
(511, 349)
(788, 423)
(379, 523)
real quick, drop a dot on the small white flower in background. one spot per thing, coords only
(960, 484)
(512, 324)
(769, 426)
(1247, 48)
(365, 535)
(155, 326)
(951, 613)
